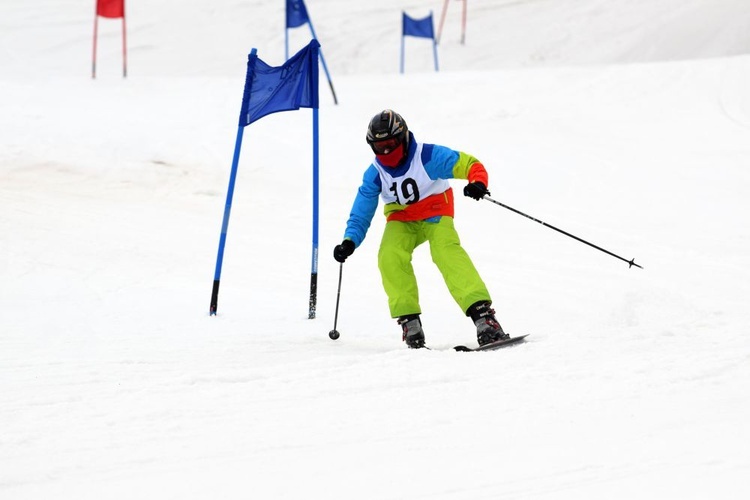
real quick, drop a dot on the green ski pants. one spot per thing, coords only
(394, 261)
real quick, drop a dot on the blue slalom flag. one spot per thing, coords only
(268, 90)
(292, 85)
(418, 27)
(296, 13)
(421, 28)
(296, 16)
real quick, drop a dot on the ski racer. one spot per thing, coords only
(412, 179)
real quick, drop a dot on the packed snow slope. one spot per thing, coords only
(626, 123)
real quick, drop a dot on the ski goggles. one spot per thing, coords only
(385, 146)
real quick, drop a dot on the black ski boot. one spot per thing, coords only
(413, 334)
(488, 328)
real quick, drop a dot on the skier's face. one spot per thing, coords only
(393, 157)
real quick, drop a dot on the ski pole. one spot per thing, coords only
(334, 334)
(631, 262)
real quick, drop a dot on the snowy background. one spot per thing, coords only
(624, 122)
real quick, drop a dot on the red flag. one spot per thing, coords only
(110, 8)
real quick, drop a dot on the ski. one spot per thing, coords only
(492, 345)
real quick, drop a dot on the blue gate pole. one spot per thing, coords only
(323, 61)
(402, 54)
(434, 51)
(315, 228)
(286, 44)
(225, 221)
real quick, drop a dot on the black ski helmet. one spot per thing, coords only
(388, 124)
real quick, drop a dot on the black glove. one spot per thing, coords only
(344, 250)
(476, 190)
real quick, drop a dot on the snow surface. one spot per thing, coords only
(626, 123)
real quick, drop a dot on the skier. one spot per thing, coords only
(412, 179)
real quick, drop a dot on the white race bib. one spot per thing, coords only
(414, 185)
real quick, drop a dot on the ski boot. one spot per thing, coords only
(413, 334)
(488, 328)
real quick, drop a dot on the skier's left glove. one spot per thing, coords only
(344, 250)
(476, 190)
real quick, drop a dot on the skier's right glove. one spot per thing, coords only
(344, 250)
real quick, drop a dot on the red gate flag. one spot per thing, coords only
(110, 8)
(113, 9)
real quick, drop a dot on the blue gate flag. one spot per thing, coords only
(292, 85)
(421, 28)
(296, 13)
(268, 90)
(418, 27)
(296, 16)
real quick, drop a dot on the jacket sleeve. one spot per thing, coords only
(364, 207)
(444, 163)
